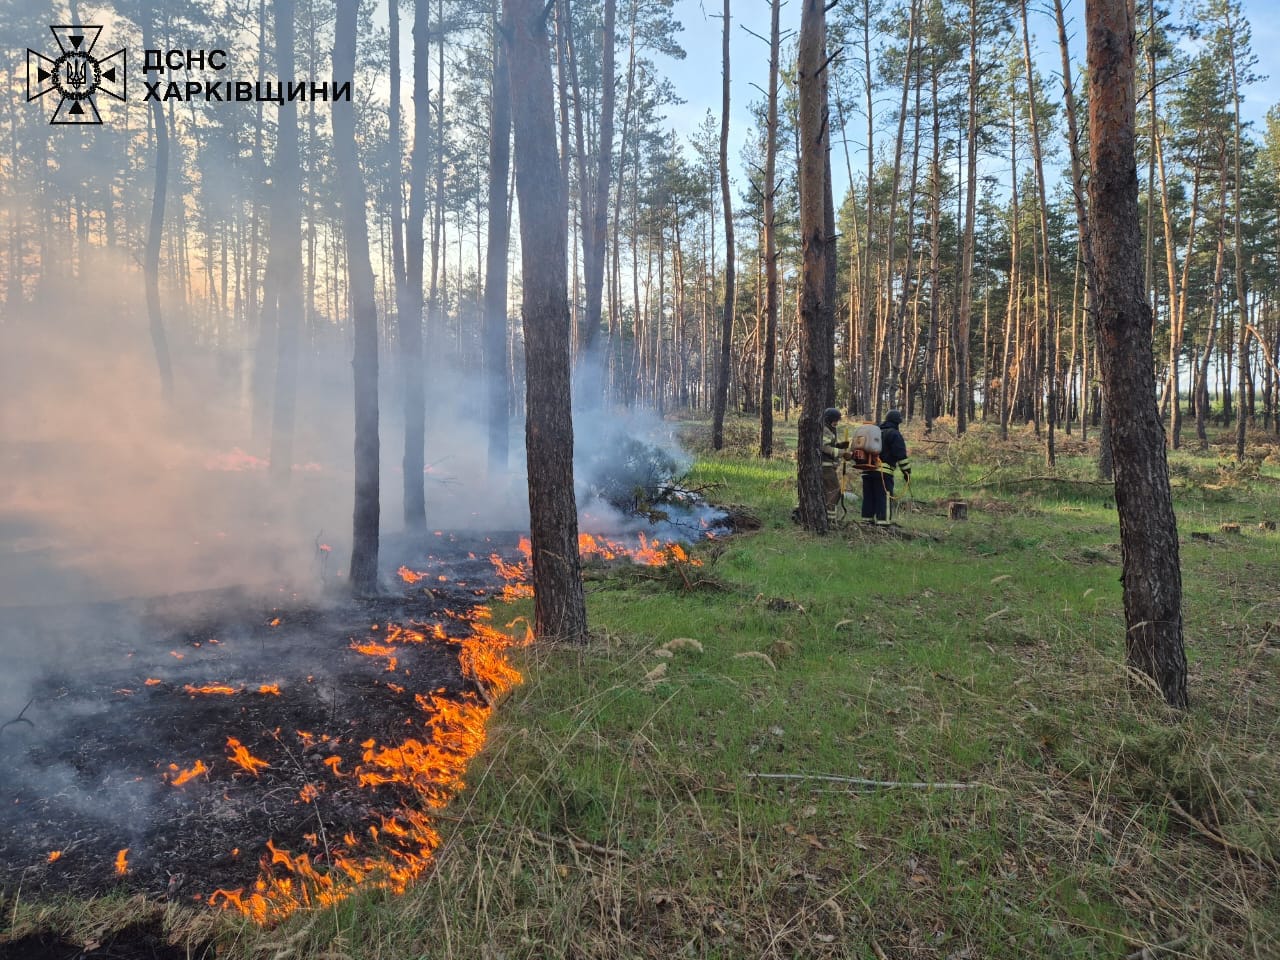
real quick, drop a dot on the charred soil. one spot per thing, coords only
(175, 747)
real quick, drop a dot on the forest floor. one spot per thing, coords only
(907, 742)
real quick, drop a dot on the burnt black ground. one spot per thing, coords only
(144, 941)
(85, 769)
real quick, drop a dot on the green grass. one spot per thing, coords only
(615, 812)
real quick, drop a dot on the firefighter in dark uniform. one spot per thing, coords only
(832, 452)
(877, 485)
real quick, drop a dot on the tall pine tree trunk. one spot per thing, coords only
(559, 603)
(364, 533)
(1148, 529)
(286, 251)
(596, 214)
(1046, 255)
(413, 462)
(495, 277)
(815, 310)
(155, 230)
(965, 314)
(721, 399)
(770, 240)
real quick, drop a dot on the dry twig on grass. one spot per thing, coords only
(862, 782)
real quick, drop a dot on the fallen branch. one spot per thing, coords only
(861, 782)
(1150, 951)
(20, 718)
(1211, 834)
(1091, 483)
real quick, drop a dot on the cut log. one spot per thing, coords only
(1267, 525)
(1230, 528)
(957, 510)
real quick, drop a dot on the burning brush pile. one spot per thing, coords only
(259, 757)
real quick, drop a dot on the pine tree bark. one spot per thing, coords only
(1241, 256)
(559, 603)
(155, 230)
(721, 400)
(364, 533)
(1046, 255)
(889, 337)
(286, 251)
(768, 369)
(1148, 529)
(935, 255)
(816, 311)
(595, 212)
(496, 357)
(413, 462)
(964, 316)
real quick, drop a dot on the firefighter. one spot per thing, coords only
(877, 485)
(833, 451)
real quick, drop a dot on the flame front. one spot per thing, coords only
(431, 765)
(430, 760)
(122, 862)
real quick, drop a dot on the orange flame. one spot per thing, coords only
(210, 688)
(122, 862)
(433, 766)
(648, 552)
(55, 855)
(152, 682)
(377, 650)
(181, 776)
(241, 757)
(271, 688)
(409, 576)
(333, 763)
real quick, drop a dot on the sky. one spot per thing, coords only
(697, 77)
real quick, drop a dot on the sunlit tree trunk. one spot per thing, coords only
(1241, 257)
(965, 314)
(496, 357)
(364, 539)
(721, 399)
(889, 333)
(413, 462)
(1046, 256)
(155, 230)
(815, 310)
(767, 371)
(286, 250)
(1148, 530)
(596, 210)
(559, 603)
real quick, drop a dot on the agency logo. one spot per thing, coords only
(76, 76)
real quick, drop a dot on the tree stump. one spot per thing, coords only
(1230, 528)
(1267, 525)
(957, 510)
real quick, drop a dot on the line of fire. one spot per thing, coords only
(273, 758)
